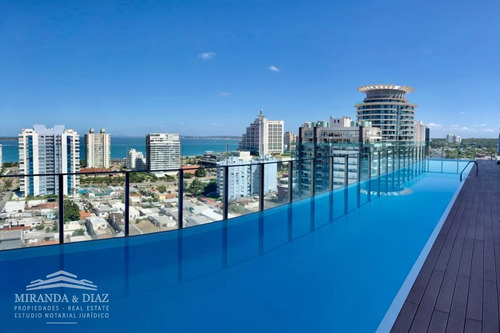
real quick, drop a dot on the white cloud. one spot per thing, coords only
(225, 94)
(206, 55)
(489, 130)
(274, 68)
(434, 125)
(462, 112)
(480, 125)
(459, 128)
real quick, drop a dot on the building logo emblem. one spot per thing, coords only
(61, 298)
(61, 279)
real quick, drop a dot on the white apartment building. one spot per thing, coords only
(48, 151)
(451, 138)
(289, 141)
(163, 151)
(263, 136)
(387, 108)
(244, 176)
(419, 131)
(97, 149)
(135, 160)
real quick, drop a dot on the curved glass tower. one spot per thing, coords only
(386, 107)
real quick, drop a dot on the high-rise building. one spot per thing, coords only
(263, 136)
(385, 107)
(289, 141)
(244, 176)
(48, 151)
(419, 131)
(97, 149)
(340, 137)
(451, 138)
(135, 160)
(163, 151)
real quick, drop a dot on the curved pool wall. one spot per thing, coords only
(307, 266)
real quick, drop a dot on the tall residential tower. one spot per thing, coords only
(97, 149)
(385, 107)
(48, 151)
(163, 151)
(263, 136)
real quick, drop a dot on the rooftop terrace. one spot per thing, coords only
(457, 287)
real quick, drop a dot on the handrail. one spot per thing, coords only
(477, 169)
(225, 185)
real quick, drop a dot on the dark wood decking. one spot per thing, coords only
(457, 289)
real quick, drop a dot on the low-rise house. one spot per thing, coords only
(104, 211)
(163, 221)
(96, 226)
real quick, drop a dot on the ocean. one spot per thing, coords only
(120, 146)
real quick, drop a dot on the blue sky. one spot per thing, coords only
(207, 67)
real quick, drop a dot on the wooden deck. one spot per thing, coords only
(457, 289)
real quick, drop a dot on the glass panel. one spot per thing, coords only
(322, 174)
(434, 166)
(243, 189)
(302, 179)
(29, 216)
(202, 200)
(153, 202)
(96, 210)
(276, 184)
(450, 166)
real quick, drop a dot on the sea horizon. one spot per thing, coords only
(190, 146)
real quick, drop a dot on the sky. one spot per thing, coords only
(208, 67)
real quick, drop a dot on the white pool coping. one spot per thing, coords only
(396, 305)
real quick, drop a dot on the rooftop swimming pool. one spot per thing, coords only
(332, 263)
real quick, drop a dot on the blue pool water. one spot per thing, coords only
(306, 267)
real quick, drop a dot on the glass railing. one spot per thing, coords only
(75, 207)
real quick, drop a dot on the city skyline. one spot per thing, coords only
(207, 68)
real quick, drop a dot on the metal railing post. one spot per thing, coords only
(330, 173)
(379, 162)
(393, 162)
(261, 186)
(369, 165)
(290, 181)
(225, 193)
(60, 180)
(346, 170)
(127, 203)
(180, 203)
(313, 180)
(387, 163)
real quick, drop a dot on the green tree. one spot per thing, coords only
(210, 188)
(71, 211)
(162, 188)
(40, 227)
(236, 208)
(196, 188)
(78, 232)
(200, 172)
(188, 175)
